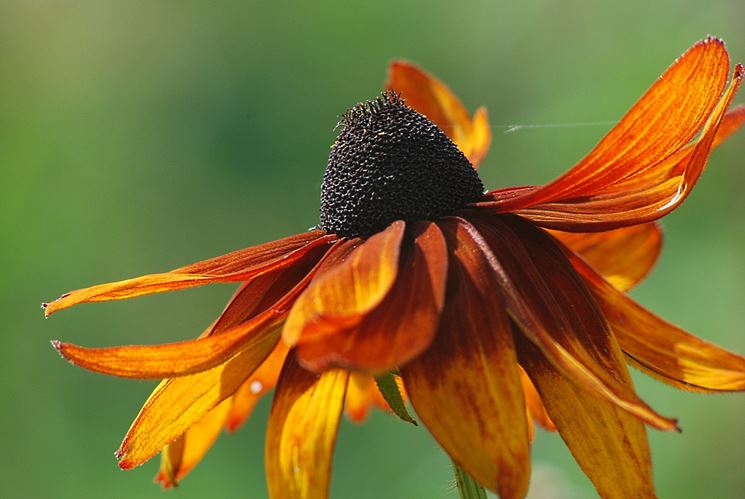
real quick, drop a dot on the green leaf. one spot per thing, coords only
(468, 488)
(389, 389)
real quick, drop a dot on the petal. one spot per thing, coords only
(404, 323)
(661, 349)
(268, 297)
(554, 309)
(466, 387)
(340, 298)
(302, 431)
(240, 265)
(180, 457)
(533, 404)
(635, 201)
(623, 256)
(177, 403)
(609, 444)
(263, 380)
(359, 396)
(429, 96)
(664, 120)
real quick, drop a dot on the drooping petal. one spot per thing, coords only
(665, 119)
(403, 324)
(240, 265)
(177, 403)
(609, 444)
(661, 349)
(554, 309)
(267, 299)
(429, 96)
(263, 380)
(180, 457)
(465, 387)
(533, 404)
(359, 396)
(623, 256)
(341, 297)
(302, 431)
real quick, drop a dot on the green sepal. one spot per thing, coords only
(389, 389)
(468, 488)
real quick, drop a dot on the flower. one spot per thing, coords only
(495, 308)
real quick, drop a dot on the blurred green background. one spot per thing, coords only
(141, 135)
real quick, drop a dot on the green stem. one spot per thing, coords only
(468, 488)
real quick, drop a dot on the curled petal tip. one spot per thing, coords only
(57, 345)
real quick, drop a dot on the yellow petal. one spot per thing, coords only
(609, 444)
(178, 403)
(302, 431)
(661, 349)
(623, 256)
(180, 457)
(465, 387)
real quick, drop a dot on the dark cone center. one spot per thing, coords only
(391, 163)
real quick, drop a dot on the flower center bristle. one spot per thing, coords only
(391, 163)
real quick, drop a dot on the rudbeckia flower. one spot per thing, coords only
(493, 310)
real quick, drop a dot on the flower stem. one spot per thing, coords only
(468, 488)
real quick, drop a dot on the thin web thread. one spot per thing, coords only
(516, 128)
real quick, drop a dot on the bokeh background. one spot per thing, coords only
(138, 136)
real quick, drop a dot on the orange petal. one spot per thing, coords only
(240, 265)
(302, 431)
(180, 457)
(405, 321)
(553, 308)
(178, 403)
(466, 387)
(665, 119)
(359, 397)
(623, 256)
(263, 380)
(270, 295)
(340, 298)
(429, 96)
(661, 349)
(609, 444)
(533, 404)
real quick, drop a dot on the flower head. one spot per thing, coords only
(494, 310)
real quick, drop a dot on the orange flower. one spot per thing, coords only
(496, 309)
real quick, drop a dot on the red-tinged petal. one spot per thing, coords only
(267, 298)
(664, 120)
(263, 380)
(533, 403)
(609, 444)
(466, 387)
(554, 309)
(404, 323)
(429, 96)
(180, 457)
(634, 201)
(661, 349)
(623, 256)
(302, 431)
(341, 297)
(237, 266)
(178, 403)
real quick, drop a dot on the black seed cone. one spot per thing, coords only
(391, 163)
